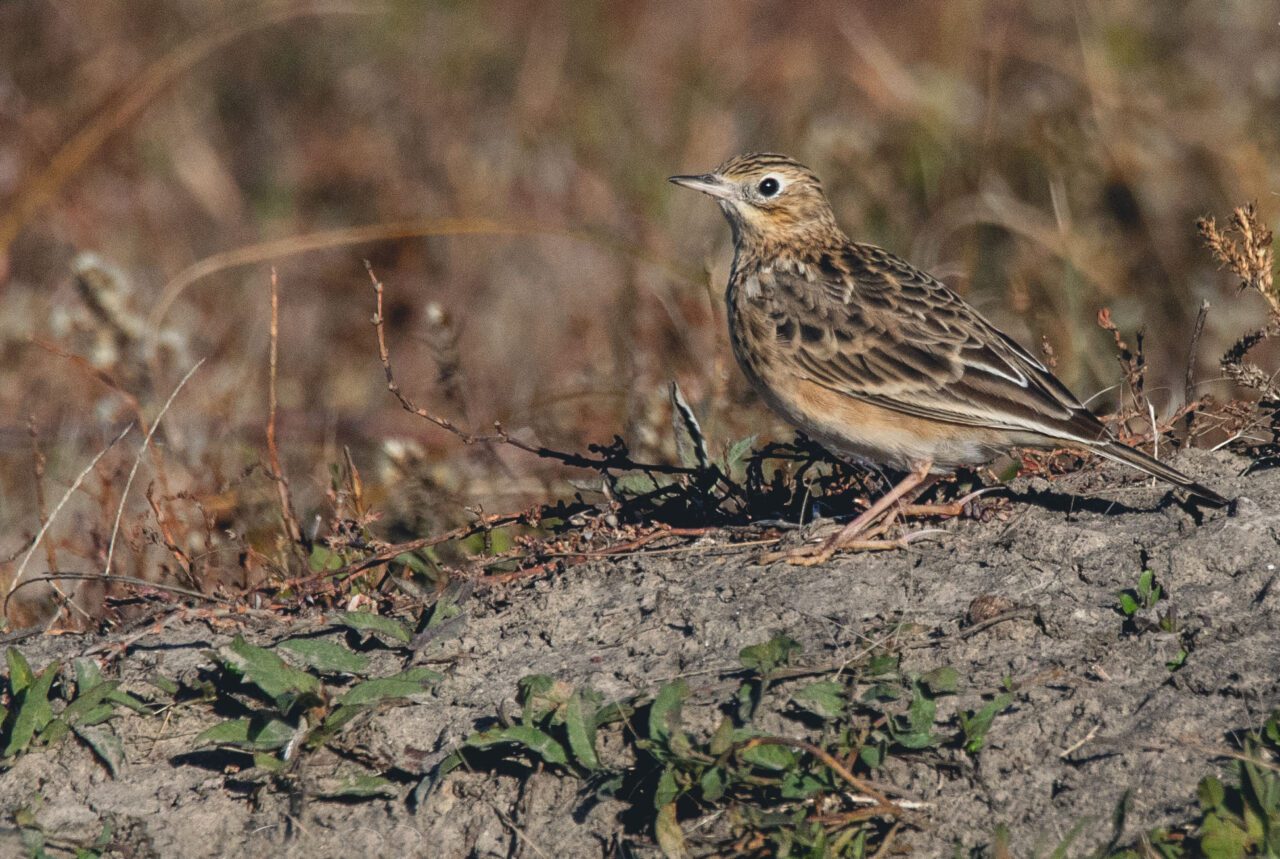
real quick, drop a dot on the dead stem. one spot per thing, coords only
(37, 466)
(75, 484)
(292, 529)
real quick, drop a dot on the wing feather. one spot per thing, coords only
(881, 331)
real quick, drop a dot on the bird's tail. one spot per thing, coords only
(1132, 456)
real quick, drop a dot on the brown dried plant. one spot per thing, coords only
(1244, 248)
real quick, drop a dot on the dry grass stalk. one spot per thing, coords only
(1245, 248)
(146, 443)
(38, 464)
(1132, 361)
(75, 484)
(292, 529)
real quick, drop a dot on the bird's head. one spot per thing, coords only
(768, 199)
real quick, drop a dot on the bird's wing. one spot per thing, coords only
(873, 327)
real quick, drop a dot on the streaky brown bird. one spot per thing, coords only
(875, 358)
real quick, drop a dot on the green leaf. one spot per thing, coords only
(406, 684)
(882, 664)
(88, 674)
(164, 684)
(31, 706)
(769, 756)
(1128, 605)
(975, 725)
(1223, 838)
(738, 451)
(1211, 794)
(422, 792)
(916, 739)
(581, 731)
(20, 674)
(277, 679)
(52, 733)
(88, 700)
(385, 627)
(415, 562)
(871, 756)
(124, 699)
(250, 734)
(98, 715)
(670, 836)
(540, 696)
(359, 786)
(534, 739)
(270, 763)
(668, 788)
(1271, 730)
(748, 699)
(775, 652)
(722, 739)
(325, 560)
(664, 713)
(881, 692)
(942, 681)
(712, 784)
(326, 656)
(923, 711)
(1148, 589)
(825, 697)
(105, 744)
(801, 785)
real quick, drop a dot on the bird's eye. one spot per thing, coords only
(768, 186)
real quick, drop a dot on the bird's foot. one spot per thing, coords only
(864, 532)
(966, 506)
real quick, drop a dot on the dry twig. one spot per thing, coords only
(75, 484)
(146, 442)
(292, 529)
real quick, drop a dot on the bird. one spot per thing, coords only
(874, 358)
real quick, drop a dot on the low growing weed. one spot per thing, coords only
(697, 769)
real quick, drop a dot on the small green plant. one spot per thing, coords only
(974, 724)
(83, 707)
(1243, 819)
(1146, 608)
(557, 724)
(1144, 596)
(1237, 820)
(300, 695)
(40, 844)
(738, 789)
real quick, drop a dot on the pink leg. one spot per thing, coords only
(915, 481)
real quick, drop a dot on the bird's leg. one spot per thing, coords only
(955, 508)
(915, 482)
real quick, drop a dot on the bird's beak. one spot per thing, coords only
(708, 183)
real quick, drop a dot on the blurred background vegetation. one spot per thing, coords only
(1047, 159)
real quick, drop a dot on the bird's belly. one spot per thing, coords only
(878, 435)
